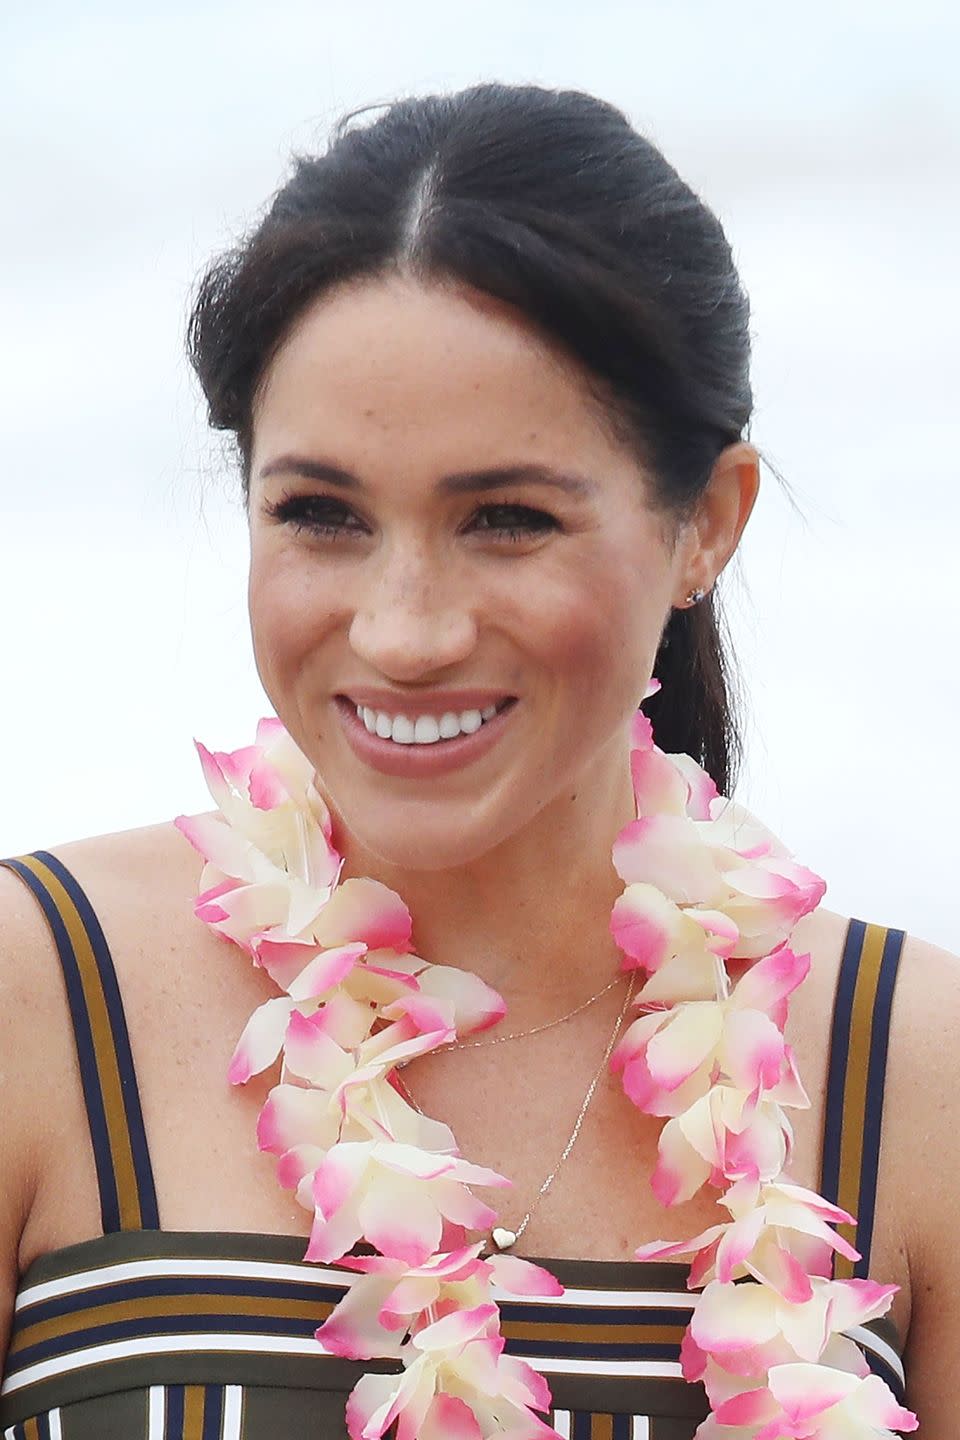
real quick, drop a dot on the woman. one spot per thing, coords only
(486, 363)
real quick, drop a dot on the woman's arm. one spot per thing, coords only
(924, 1074)
(26, 998)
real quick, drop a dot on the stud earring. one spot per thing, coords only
(695, 597)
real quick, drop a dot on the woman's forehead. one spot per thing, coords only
(464, 377)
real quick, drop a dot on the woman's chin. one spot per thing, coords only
(420, 836)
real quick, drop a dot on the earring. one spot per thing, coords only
(695, 597)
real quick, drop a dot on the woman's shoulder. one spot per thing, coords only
(140, 884)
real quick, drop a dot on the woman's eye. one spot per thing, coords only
(320, 514)
(513, 522)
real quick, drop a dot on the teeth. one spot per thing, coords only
(402, 730)
(427, 729)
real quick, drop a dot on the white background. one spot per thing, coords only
(137, 140)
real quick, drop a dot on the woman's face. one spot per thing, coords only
(441, 524)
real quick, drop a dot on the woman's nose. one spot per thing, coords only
(412, 621)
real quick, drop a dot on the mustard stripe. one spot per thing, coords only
(602, 1427)
(594, 1334)
(31, 1429)
(108, 1071)
(193, 1403)
(119, 1312)
(855, 1086)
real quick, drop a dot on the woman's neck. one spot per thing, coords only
(532, 916)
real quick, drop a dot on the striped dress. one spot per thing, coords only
(147, 1334)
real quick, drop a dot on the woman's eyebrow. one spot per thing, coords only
(465, 482)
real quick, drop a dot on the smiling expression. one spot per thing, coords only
(442, 523)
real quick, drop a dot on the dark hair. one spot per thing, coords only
(551, 201)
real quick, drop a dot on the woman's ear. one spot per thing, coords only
(714, 529)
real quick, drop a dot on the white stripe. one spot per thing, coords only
(157, 1413)
(561, 1423)
(8, 1434)
(871, 1341)
(286, 1345)
(657, 1369)
(53, 1420)
(162, 1345)
(214, 1269)
(641, 1428)
(232, 1412)
(304, 1273)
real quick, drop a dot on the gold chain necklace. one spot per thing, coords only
(537, 1029)
(500, 1237)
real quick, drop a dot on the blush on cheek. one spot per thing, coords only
(603, 642)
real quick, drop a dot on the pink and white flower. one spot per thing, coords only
(813, 1402)
(781, 1234)
(396, 1197)
(710, 895)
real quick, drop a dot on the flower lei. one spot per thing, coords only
(709, 904)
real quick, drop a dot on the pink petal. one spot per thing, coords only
(766, 985)
(657, 785)
(780, 1270)
(401, 1221)
(644, 925)
(259, 1045)
(326, 970)
(805, 1391)
(265, 787)
(521, 1277)
(680, 1171)
(353, 1331)
(450, 1419)
(290, 1117)
(667, 852)
(475, 1004)
(364, 910)
(752, 1053)
(684, 1042)
(701, 788)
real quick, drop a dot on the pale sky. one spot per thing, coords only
(139, 140)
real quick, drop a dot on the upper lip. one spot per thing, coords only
(424, 702)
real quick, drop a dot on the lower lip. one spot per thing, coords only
(419, 761)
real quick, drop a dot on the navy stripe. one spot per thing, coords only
(839, 1053)
(293, 1327)
(212, 1412)
(173, 1429)
(213, 1324)
(147, 1289)
(43, 1426)
(582, 1424)
(149, 1216)
(86, 1054)
(887, 1373)
(873, 1116)
(622, 1427)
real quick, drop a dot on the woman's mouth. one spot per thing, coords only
(425, 744)
(426, 729)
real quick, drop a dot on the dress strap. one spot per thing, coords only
(855, 1083)
(128, 1199)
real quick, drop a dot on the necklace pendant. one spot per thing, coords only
(503, 1239)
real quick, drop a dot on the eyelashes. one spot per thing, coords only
(316, 513)
(330, 519)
